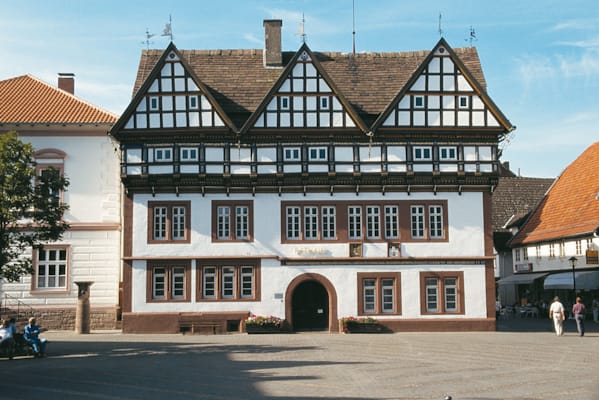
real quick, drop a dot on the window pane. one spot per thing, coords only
(310, 223)
(329, 230)
(388, 295)
(159, 223)
(417, 215)
(436, 222)
(158, 283)
(293, 223)
(373, 222)
(247, 282)
(209, 280)
(451, 294)
(431, 295)
(369, 289)
(355, 222)
(241, 222)
(178, 223)
(228, 280)
(224, 223)
(391, 222)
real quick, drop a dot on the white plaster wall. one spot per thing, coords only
(276, 279)
(541, 260)
(92, 167)
(95, 257)
(465, 216)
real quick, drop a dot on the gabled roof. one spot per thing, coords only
(571, 207)
(28, 100)
(239, 82)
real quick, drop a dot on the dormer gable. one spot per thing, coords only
(172, 97)
(442, 93)
(304, 97)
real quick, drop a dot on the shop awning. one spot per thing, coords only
(585, 280)
(520, 279)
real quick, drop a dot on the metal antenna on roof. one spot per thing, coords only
(301, 31)
(147, 42)
(472, 37)
(440, 29)
(353, 33)
(168, 28)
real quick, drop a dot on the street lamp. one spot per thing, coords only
(573, 264)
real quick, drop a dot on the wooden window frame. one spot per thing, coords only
(403, 216)
(169, 205)
(169, 265)
(232, 205)
(238, 265)
(35, 288)
(441, 277)
(379, 277)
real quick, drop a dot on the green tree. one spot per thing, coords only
(31, 210)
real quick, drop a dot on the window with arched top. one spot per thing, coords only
(50, 161)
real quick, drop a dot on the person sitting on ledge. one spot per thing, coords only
(31, 335)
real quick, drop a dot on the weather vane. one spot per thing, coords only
(301, 30)
(168, 28)
(147, 42)
(440, 29)
(472, 37)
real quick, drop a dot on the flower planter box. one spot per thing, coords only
(357, 327)
(256, 329)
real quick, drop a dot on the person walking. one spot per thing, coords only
(578, 311)
(558, 314)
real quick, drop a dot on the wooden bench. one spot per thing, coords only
(193, 325)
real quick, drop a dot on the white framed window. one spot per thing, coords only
(579, 247)
(417, 221)
(51, 269)
(310, 223)
(562, 249)
(373, 222)
(178, 283)
(159, 283)
(354, 215)
(292, 223)
(154, 103)
(188, 154)
(223, 231)
(317, 153)
(525, 253)
(422, 153)
(329, 229)
(448, 153)
(387, 295)
(284, 103)
(435, 216)
(324, 103)
(551, 250)
(418, 101)
(391, 222)
(242, 222)
(194, 104)
(179, 222)
(232, 221)
(163, 154)
(369, 293)
(451, 294)
(432, 295)
(168, 281)
(463, 101)
(247, 282)
(517, 255)
(228, 282)
(209, 282)
(159, 223)
(168, 222)
(292, 154)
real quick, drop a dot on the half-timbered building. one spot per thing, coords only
(310, 186)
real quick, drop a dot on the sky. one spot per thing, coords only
(540, 57)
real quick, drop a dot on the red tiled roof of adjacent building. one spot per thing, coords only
(28, 100)
(571, 207)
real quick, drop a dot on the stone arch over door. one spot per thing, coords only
(333, 319)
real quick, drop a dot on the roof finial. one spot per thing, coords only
(168, 28)
(301, 31)
(440, 29)
(353, 38)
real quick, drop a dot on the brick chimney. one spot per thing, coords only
(66, 82)
(273, 56)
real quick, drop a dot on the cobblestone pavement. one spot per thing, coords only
(523, 360)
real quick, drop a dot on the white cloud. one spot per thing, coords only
(253, 39)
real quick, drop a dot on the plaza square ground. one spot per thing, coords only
(522, 360)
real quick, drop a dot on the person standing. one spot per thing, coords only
(578, 311)
(558, 314)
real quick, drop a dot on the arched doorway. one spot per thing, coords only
(311, 304)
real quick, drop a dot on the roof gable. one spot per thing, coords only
(442, 92)
(172, 97)
(28, 100)
(304, 97)
(571, 207)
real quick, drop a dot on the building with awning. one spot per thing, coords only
(585, 280)
(520, 279)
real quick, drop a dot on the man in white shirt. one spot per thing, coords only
(558, 314)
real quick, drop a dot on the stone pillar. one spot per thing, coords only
(83, 314)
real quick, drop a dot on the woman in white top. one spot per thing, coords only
(558, 314)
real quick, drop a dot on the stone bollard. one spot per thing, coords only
(83, 314)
